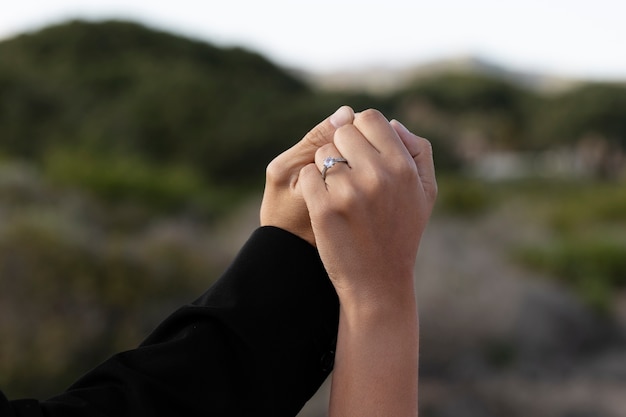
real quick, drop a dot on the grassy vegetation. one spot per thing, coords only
(70, 265)
(583, 244)
(464, 196)
(586, 247)
(125, 178)
(594, 268)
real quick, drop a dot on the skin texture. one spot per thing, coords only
(283, 205)
(366, 218)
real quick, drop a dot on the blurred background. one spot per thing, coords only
(133, 143)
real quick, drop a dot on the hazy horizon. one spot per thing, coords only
(557, 37)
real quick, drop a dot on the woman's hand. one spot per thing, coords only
(369, 214)
(368, 217)
(283, 205)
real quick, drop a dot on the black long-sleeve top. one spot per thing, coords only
(259, 342)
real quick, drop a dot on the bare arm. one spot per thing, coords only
(376, 363)
(368, 218)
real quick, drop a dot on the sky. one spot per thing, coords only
(575, 38)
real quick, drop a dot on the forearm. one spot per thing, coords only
(367, 217)
(376, 367)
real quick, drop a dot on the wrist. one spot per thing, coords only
(378, 305)
(377, 352)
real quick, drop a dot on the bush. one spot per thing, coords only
(118, 178)
(76, 287)
(587, 204)
(594, 268)
(463, 196)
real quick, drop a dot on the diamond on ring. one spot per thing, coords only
(330, 162)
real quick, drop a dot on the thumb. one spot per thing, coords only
(289, 163)
(323, 133)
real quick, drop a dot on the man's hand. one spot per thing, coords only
(283, 205)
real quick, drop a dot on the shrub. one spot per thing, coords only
(127, 178)
(463, 196)
(594, 268)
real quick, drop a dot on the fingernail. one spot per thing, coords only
(342, 117)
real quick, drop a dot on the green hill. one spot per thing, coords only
(101, 90)
(118, 87)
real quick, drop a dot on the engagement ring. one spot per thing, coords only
(329, 163)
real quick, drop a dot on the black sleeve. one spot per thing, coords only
(259, 342)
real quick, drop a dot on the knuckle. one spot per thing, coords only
(426, 147)
(398, 169)
(407, 169)
(325, 151)
(348, 199)
(376, 181)
(343, 134)
(276, 172)
(432, 191)
(371, 115)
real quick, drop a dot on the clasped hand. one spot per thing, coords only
(368, 215)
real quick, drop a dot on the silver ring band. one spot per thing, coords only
(329, 163)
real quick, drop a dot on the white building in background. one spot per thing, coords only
(592, 157)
